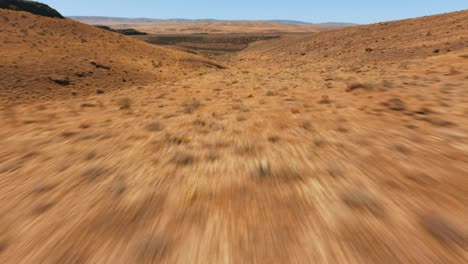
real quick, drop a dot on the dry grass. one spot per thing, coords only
(261, 162)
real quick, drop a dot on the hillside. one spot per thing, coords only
(45, 58)
(382, 42)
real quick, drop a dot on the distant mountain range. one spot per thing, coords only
(122, 20)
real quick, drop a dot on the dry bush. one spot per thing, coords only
(87, 105)
(191, 106)
(124, 103)
(395, 104)
(212, 156)
(248, 148)
(361, 199)
(307, 125)
(178, 139)
(443, 230)
(271, 93)
(94, 173)
(241, 118)
(265, 172)
(199, 122)
(117, 187)
(318, 141)
(42, 208)
(183, 159)
(154, 127)
(273, 139)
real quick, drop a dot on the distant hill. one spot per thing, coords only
(122, 20)
(296, 22)
(338, 24)
(31, 7)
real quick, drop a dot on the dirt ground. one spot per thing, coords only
(303, 149)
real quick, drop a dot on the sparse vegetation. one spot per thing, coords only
(395, 104)
(341, 140)
(183, 159)
(355, 86)
(362, 199)
(154, 127)
(94, 173)
(124, 103)
(442, 230)
(191, 106)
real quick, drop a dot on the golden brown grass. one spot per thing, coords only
(280, 165)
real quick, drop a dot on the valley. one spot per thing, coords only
(348, 145)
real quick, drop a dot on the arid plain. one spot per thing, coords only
(343, 146)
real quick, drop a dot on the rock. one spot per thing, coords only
(84, 74)
(395, 104)
(355, 86)
(263, 168)
(99, 66)
(85, 105)
(31, 7)
(60, 81)
(325, 100)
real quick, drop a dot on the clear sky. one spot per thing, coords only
(356, 11)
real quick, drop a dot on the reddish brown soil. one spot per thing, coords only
(340, 147)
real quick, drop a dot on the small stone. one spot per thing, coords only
(60, 81)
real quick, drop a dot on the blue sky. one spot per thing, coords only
(356, 11)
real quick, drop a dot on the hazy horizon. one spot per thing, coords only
(360, 11)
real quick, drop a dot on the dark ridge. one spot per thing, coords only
(31, 7)
(126, 31)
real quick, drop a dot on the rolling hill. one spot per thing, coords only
(346, 146)
(46, 58)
